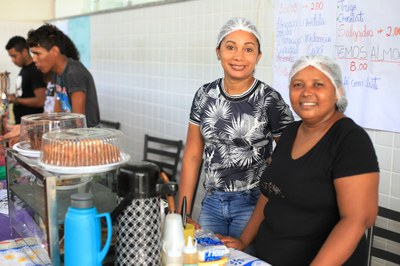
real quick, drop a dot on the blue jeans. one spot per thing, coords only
(227, 213)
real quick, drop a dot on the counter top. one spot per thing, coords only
(16, 253)
(239, 258)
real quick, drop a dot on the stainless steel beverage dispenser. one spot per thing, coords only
(137, 215)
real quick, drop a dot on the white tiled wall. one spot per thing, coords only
(9, 29)
(148, 63)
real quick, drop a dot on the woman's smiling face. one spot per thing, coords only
(312, 95)
(239, 54)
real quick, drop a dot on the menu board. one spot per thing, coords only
(362, 36)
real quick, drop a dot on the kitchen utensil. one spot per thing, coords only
(83, 232)
(170, 198)
(34, 126)
(137, 214)
(173, 232)
(173, 240)
(183, 211)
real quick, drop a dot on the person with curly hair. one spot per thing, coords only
(75, 86)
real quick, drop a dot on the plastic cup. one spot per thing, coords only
(188, 231)
(173, 232)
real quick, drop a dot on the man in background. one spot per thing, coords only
(75, 88)
(30, 87)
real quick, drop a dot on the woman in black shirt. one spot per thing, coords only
(320, 192)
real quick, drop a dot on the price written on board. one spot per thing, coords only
(294, 7)
(363, 37)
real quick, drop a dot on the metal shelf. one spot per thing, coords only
(38, 207)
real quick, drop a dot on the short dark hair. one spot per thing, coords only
(18, 43)
(48, 36)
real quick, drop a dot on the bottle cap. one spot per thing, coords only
(82, 200)
(190, 248)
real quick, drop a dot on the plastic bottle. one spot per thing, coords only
(174, 256)
(82, 233)
(173, 240)
(190, 257)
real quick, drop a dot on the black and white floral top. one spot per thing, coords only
(238, 132)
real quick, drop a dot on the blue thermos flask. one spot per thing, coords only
(82, 232)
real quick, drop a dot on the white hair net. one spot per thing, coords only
(330, 69)
(235, 24)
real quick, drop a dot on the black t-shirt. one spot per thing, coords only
(302, 208)
(32, 79)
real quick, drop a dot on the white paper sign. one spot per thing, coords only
(363, 37)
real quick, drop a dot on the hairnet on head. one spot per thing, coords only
(330, 69)
(235, 24)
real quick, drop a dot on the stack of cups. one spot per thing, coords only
(173, 240)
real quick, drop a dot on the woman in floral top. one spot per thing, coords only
(233, 122)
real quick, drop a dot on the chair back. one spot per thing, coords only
(384, 236)
(109, 124)
(163, 152)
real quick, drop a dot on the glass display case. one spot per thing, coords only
(38, 201)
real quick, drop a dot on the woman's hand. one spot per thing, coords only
(191, 221)
(231, 242)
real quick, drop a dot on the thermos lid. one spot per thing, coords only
(82, 200)
(139, 179)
